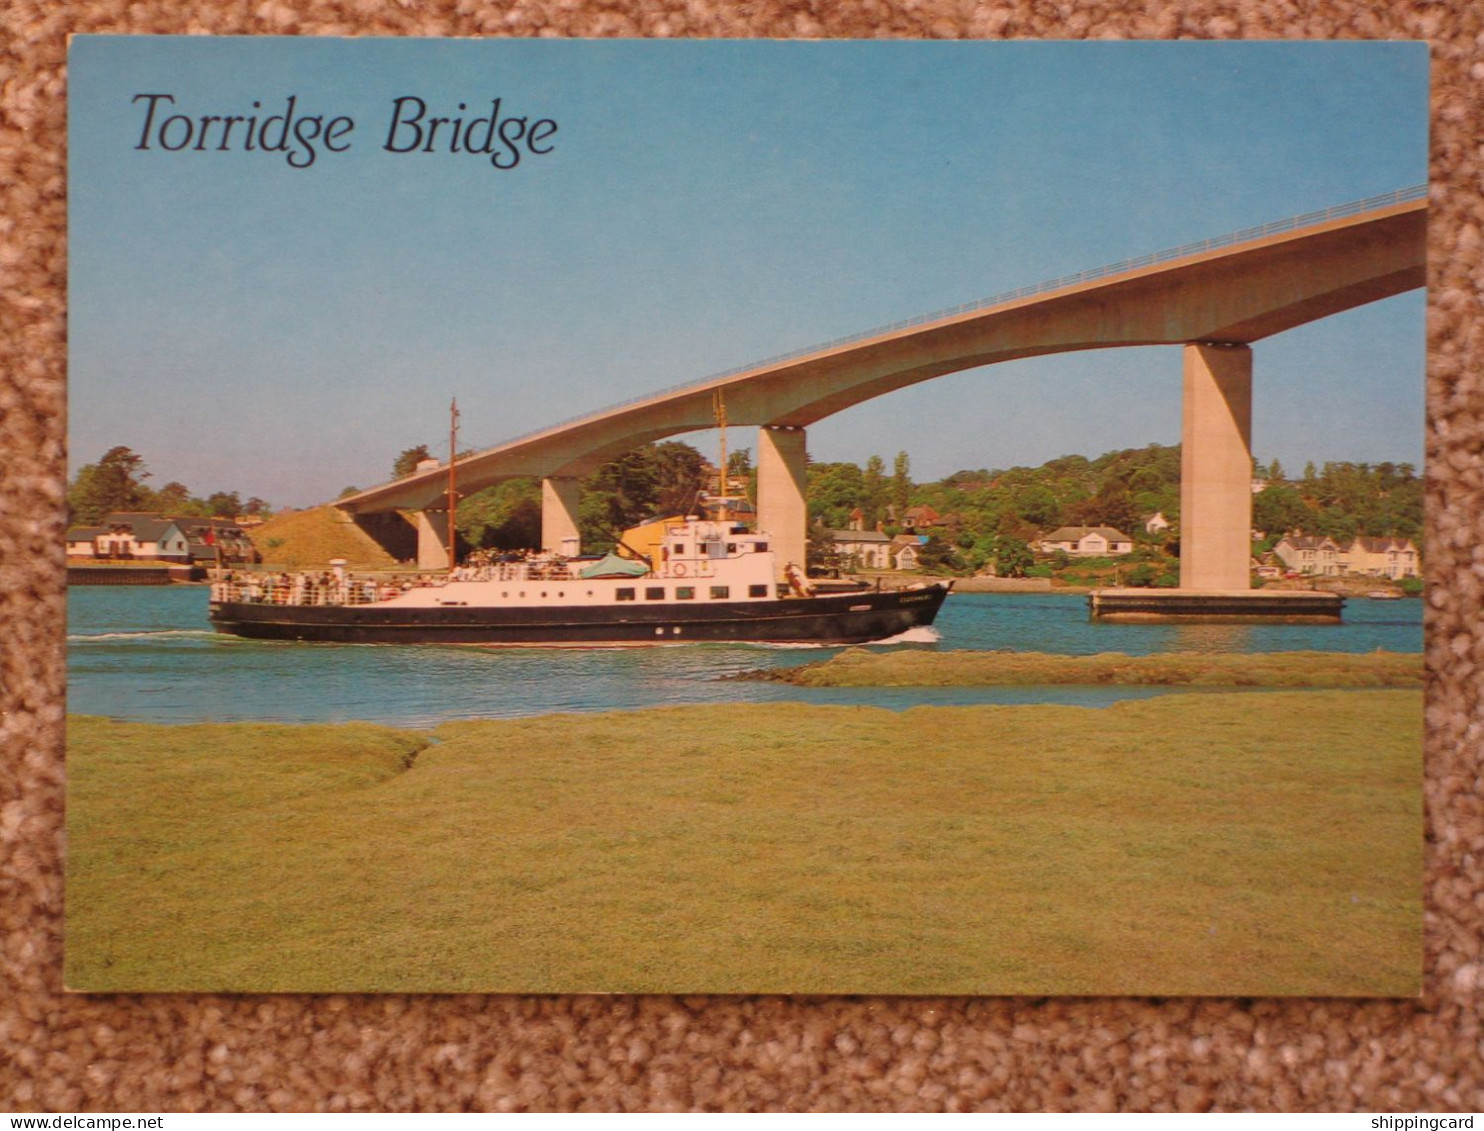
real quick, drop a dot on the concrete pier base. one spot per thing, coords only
(1232, 606)
(782, 507)
(560, 499)
(1216, 468)
(432, 540)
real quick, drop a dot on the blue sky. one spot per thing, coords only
(284, 332)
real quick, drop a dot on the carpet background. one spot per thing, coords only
(63, 1053)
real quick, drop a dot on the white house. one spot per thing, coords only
(1088, 542)
(130, 536)
(905, 550)
(1392, 558)
(863, 549)
(1309, 554)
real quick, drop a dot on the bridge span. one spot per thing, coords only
(1215, 298)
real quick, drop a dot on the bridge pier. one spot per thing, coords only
(560, 499)
(432, 539)
(1216, 511)
(1216, 468)
(782, 508)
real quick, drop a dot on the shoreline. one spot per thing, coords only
(1207, 671)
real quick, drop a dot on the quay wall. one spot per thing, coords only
(160, 573)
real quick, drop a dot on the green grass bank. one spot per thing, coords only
(1189, 844)
(858, 667)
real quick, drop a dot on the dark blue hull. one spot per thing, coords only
(847, 618)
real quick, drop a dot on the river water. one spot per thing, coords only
(149, 654)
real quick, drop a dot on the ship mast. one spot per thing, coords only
(453, 496)
(719, 408)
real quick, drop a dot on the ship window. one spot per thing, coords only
(684, 593)
(757, 590)
(720, 592)
(654, 593)
(759, 547)
(679, 550)
(731, 547)
(626, 594)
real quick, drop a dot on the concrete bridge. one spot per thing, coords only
(1215, 298)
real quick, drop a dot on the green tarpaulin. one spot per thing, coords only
(614, 566)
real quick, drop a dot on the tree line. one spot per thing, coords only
(1341, 501)
(991, 516)
(117, 483)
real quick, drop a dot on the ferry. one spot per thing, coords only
(701, 580)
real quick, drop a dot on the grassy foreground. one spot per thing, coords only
(1195, 843)
(858, 667)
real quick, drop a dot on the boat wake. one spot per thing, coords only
(921, 634)
(158, 634)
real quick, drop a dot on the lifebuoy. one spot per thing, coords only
(678, 570)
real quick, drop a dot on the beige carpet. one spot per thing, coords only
(64, 1053)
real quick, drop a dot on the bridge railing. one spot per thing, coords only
(1292, 223)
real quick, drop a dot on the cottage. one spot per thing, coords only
(129, 536)
(82, 541)
(906, 550)
(141, 536)
(863, 549)
(215, 539)
(1088, 542)
(1393, 558)
(919, 518)
(1268, 566)
(1309, 555)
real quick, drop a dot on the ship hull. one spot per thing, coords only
(849, 618)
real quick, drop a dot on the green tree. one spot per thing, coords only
(1012, 557)
(642, 484)
(506, 516)
(114, 483)
(821, 557)
(1280, 510)
(901, 485)
(1038, 506)
(680, 473)
(834, 490)
(406, 463)
(938, 556)
(173, 499)
(1111, 506)
(874, 492)
(225, 504)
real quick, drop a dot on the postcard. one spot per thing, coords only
(745, 516)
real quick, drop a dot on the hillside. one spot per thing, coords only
(309, 539)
